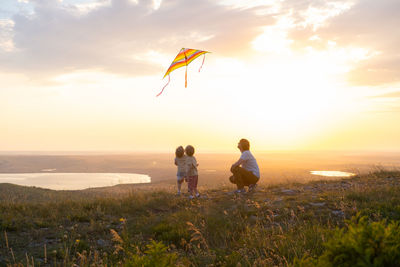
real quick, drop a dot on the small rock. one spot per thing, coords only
(288, 191)
(338, 213)
(345, 184)
(317, 204)
(101, 243)
(278, 200)
(253, 218)
(50, 241)
(234, 207)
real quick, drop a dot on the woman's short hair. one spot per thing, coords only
(189, 150)
(245, 144)
(179, 152)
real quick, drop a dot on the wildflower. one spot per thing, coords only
(77, 241)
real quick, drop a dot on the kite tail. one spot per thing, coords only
(186, 77)
(204, 57)
(164, 87)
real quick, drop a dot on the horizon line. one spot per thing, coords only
(206, 151)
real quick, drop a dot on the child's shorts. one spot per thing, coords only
(192, 182)
(180, 176)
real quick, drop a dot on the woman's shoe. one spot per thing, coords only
(239, 191)
(252, 187)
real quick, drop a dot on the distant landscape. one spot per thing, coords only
(213, 168)
(318, 223)
(293, 219)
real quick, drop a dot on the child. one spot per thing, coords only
(191, 172)
(180, 161)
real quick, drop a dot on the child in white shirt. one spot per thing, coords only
(180, 162)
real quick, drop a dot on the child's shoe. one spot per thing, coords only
(198, 195)
(191, 197)
(252, 188)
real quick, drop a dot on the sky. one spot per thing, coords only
(83, 75)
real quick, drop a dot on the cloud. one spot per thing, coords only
(60, 38)
(395, 94)
(368, 24)
(6, 43)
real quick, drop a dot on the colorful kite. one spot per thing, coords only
(184, 58)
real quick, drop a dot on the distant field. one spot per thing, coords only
(213, 169)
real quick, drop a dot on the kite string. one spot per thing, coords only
(186, 77)
(186, 70)
(164, 86)
(204, 57)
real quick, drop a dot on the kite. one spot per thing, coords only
(184, 58)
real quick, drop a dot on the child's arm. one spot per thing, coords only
(188, 167)
(176, 163)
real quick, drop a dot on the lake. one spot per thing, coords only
(332, 173)
(73, 181)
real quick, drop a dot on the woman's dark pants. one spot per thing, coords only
(243, 177)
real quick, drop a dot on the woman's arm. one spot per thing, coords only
(237, 163)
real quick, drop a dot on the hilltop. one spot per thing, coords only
(277, 225)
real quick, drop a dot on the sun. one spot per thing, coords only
(295, 97)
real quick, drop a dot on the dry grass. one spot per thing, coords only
(271, 227)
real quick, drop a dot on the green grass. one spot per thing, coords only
(267, 228)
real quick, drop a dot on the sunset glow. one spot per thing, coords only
(285, 75)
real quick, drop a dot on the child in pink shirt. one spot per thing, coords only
(191, 172)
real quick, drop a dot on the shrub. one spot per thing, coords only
(156, 254)
(363, 243)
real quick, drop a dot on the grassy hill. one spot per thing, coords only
(278, 225)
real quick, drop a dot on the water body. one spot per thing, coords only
(332, 173)
(73, 181)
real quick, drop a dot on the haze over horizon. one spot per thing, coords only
(202, 151)
(82, 75)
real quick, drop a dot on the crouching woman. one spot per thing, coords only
(245, 171)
